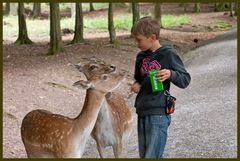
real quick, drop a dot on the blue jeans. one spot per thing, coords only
(152, 135)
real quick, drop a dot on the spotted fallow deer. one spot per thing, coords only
(48, 135)
(113, 125)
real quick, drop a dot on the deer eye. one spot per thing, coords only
(93, 67)
(104, 77)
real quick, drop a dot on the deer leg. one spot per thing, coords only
(100, 149)
(117, 149)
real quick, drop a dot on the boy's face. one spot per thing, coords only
(144, 43)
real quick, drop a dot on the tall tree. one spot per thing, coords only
(215, 7)
(135, 12)
(184, 5)
(55, 30)
(220, 7)
(36, 10)
(235, 8)
(91, 7)
(7, 8)
(231, 9)
(78, 33)
(22, 27)
(111, 28)
(197, 8)
(157, 13)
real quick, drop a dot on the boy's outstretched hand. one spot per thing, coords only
(136, 87)
(163, 74)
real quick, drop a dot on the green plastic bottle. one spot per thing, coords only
(157, 86)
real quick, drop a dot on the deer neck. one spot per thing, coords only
(92, 104)
(84, 123)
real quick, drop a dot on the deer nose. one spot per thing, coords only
(112, 67)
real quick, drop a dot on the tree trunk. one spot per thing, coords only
(135, 12)
(231, 9)
(157, 13)
(36, 10)
(22, 27)
(91, 7)
(13, 9)
(235, 8)
(73, 10)
(111, 24)
(219, 7)
(7, 8)
(185, 5)
(78, 33)
(55, 30)
(215, 7)
(197, 8)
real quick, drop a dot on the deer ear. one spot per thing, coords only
(83, 84)
(79, 67)
(108, 95)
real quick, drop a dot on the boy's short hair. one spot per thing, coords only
(146, 26)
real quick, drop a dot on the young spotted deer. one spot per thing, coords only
(113, 125)
(48, 135)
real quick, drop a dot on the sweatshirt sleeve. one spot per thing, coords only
(137, 74)
(179, 76)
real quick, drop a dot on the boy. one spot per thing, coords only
(150, 106)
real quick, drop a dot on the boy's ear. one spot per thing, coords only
(153, 37)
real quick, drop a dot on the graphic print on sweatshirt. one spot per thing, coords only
(149, 64)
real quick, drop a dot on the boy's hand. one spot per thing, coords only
(163, 74)
(136, 87)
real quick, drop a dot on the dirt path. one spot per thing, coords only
(205, 124)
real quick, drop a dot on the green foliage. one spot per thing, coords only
(219, 7)
(64, 7)
(23, 41)
(96, 23)
(213, 26)
(171, 20)
(123, 22)
(221, 25)
(116, 43)
(35, 27)
(97, 6)
(40, 28)
(68, 23)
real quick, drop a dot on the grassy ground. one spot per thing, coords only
(99, 23)
(38, 27)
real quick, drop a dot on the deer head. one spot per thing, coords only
(100, 75)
